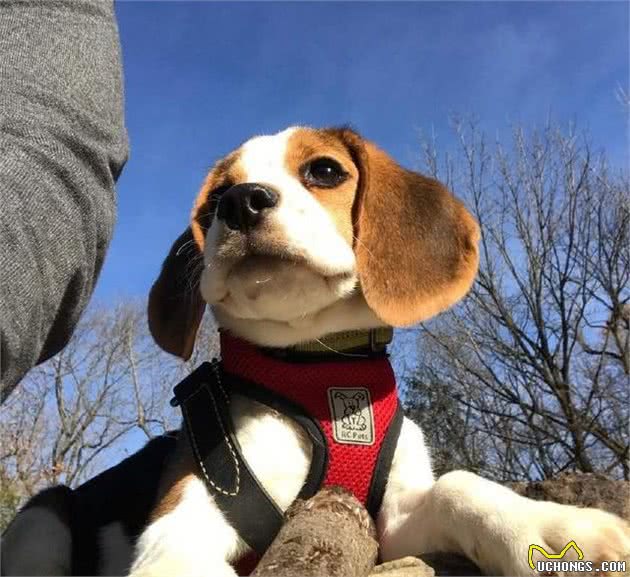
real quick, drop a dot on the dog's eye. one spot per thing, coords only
(324, 172)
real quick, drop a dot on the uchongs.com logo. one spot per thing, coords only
(555, 562)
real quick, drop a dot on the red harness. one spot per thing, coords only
(354, 443)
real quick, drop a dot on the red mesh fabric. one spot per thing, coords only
(307, 384)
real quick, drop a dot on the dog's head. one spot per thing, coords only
(309, 232)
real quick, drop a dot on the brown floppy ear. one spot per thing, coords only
(175, 304)
(417, 245)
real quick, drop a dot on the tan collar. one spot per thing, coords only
(374, 340)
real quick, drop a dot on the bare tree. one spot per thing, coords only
(98, 400)
(529, 376)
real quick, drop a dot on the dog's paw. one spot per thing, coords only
(539, 537)
(552, 539)
(578, 534)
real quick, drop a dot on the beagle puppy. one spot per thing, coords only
(293, 237)
(310, 232)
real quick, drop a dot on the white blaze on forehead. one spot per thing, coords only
(308, 228)
(262, 157)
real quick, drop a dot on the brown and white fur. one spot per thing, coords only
(383, 246)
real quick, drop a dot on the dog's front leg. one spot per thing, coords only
(487, 522)
(187, 537)
(493, 526)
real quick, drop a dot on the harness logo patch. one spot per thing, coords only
(351, 415)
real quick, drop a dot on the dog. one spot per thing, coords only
(294, 238)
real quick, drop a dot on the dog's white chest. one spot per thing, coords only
(276, 448)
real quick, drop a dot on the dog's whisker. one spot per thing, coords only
(355, 237)
(181, 248)
(356, 355)
(193, 273)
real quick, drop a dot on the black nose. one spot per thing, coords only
(241, 206)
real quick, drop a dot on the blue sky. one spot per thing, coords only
(201, 77)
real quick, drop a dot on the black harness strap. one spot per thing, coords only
(383, 464)
(237, 492)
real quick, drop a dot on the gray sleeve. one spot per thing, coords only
(62, 146)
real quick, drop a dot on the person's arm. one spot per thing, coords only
(62, 146)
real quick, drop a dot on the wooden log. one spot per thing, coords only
(330, 534)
